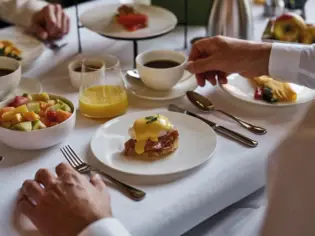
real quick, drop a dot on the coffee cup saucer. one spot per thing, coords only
(26, 85)
(139, 89)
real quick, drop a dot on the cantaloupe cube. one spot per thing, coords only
(6, 109)
(7, 116)
(30, 116)
(62, 115)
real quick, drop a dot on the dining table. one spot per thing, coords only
(174, 203)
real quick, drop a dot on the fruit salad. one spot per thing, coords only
(130, 19)
(33, 112)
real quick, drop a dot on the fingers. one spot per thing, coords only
(50, 19)
(56, 21)
(63, 168)
(97, 181)
(26, 207)
(201, 65)
(222, 77)
(39, 31)
(44, 177)
(32, 190)
(65, 24)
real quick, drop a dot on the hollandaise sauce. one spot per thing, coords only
(151, 127)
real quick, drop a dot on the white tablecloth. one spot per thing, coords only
(171, 207)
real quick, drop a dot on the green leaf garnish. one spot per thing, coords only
(151, 119)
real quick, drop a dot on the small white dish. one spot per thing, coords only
(101, 19)
(29, 86)
(242, 89)
(197, 143)
(75, 76)
(42, 138)
(161, 79)
(139, 89)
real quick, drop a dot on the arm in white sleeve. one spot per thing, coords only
(105, 227)
(20, 12)
(293, 63)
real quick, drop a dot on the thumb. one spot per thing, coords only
(97, 181)
(200, 65)
(39, 31)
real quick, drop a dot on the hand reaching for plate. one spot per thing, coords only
(50, 23)
(66, 204)
(215, 58)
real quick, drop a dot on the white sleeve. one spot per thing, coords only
(20, 12)
(293, 63)
(105, 227)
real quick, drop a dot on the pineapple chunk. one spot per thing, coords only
(44, 97)
(17, 119)
(21, 109)
(8, 116)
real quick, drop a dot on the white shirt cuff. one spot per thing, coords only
(284, 61)
(105, 227)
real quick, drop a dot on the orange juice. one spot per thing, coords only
(103, 101)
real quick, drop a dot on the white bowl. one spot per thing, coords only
(42, 138)
(161, 78)
(8, 83)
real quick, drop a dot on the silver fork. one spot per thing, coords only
(79, 165)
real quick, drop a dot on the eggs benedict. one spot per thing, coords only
(152, 136)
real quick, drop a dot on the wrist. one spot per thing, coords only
(259, 53)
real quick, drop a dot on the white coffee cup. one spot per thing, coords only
(9, 82)
(76, 76)
(161, 78)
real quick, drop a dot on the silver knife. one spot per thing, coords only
(218, 128)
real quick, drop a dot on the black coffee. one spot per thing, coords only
(161, 64)
(87, 68)
(4, 71)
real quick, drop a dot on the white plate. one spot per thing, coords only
(26, 86)
(197, 143)
(100, 19)
(137, 88)
(31, 47)
(241, 88)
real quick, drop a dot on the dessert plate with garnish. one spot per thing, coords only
(135, 86)
(266, 91)
(17, 44)
(129, 22)
(154, 143)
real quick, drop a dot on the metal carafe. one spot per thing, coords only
(231, 18)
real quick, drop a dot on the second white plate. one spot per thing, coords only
(197, 143)
(241, 89)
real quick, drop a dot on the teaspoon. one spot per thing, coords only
(205, 104)
(133, 74)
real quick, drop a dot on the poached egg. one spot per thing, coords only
(149, 128)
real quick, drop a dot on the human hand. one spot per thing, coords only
(220, 56)
(66, 204)
(51, 22)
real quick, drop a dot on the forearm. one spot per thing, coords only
(20, 12)
(293, 63)
(105, 227)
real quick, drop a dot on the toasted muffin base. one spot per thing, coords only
(152, 155)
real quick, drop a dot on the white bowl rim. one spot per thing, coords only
(47, 128)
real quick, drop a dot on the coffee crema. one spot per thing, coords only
(161, 64)
(4, 71)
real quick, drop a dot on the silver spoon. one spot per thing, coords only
(204, 104)
(133, 74)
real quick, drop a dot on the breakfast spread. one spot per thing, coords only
(290, 27)
(8, 49)
(130, 19)
(273, 91)
(152, 136)
(33, 112)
